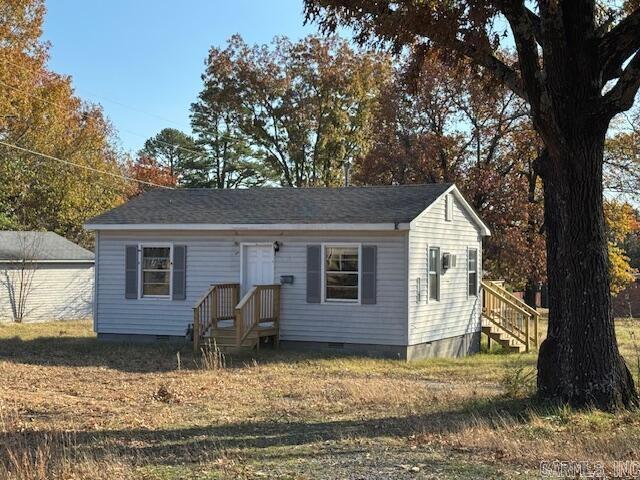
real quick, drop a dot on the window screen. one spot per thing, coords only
(341, 273)
(434, 273)
(473, 271)
(156, 271)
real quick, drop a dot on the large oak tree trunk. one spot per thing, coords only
(579, 362)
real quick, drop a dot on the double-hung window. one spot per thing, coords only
(155, 271)
(434, 273)
(472, 269)
(341, 273)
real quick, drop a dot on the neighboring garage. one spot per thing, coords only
(44, 276)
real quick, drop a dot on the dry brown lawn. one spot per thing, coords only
(73, 408)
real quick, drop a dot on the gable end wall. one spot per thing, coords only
(456, 313)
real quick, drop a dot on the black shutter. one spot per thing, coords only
(369, 267)
(131, 272)
(179, 272)
(314, 273)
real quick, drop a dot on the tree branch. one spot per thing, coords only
(523, 29)
(620, 98)
(500, 70)
(620, 43)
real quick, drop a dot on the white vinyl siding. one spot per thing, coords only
(214, 257)
(59, 291)
(402, 314)
(456, 313)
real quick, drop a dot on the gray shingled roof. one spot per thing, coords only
(47, 246)
(380, 204)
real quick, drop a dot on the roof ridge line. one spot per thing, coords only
(354, 187)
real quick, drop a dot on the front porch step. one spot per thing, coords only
(508, 320)
(249, 342)
(228, 345)
(221, 316)
(499, 334)
(503, 339)
(225, 339)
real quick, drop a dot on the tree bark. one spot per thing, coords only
(579, 362)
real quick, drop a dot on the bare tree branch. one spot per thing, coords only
(18, 277)
(619, 44)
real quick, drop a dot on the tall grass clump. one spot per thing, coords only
(33, 455)
(519, 381)
(211, 357)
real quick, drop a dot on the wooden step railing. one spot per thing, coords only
(511, 314)
(259, 305)
(216, 305)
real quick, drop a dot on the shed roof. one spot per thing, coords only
(41, 246)
(347, 205)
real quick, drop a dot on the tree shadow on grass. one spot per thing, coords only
(271, 439)
(88, 351)
(152, 357)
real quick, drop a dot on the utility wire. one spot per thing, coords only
(36, 97)
(135, 109)
(86, 167)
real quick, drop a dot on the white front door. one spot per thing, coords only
(258, 266)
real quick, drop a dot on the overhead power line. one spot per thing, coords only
(132, 108)
(135, 109)
(86, 167)
(44, 100)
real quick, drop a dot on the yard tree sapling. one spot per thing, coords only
(18, 276)
(577, 66)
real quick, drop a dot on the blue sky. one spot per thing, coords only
(142, 59)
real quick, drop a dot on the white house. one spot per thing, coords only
(390, 270)
(44, 276)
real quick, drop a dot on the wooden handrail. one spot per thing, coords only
(491, 285)
(534, 313)
(510, 313)
(261, 303)
(226, 285)
(246, 298)
(216, 304)
(203, 297)
(512, 303)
